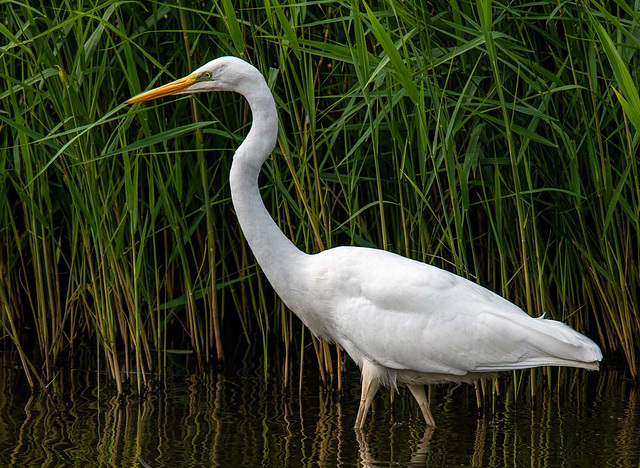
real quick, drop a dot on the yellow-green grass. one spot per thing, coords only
(496, 140)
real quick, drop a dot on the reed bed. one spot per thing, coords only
(496, 140)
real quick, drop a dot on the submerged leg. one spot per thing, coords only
(423, 403)
(370, 386)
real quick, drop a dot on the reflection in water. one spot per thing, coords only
(419, 453)
(577, 419)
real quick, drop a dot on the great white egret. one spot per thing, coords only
(402, 321)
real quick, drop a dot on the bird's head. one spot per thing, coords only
(221, 74)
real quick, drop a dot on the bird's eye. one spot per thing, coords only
(207, 75)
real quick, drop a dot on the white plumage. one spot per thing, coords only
(407, 315)
(402, 321)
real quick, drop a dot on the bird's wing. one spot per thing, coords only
(405, 314)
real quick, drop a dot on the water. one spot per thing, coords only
(238, 420)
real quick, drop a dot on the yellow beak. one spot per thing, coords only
(167, 90)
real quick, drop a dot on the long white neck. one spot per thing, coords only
(275, 253)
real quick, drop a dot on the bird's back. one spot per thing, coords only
(407, 315)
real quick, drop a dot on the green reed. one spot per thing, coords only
(495, 140)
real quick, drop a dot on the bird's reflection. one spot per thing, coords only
(419, 447)
(418, 454)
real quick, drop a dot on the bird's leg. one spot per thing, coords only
(370, 386)
(423, 403)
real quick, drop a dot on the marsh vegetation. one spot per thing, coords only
(495, 140)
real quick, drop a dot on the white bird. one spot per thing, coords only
(403, 322)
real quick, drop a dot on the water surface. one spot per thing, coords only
(237, 419)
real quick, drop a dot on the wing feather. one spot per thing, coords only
(408, 315)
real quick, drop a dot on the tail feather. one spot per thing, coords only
(552, 343)
(565, 343)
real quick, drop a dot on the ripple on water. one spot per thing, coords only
(589, 419)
